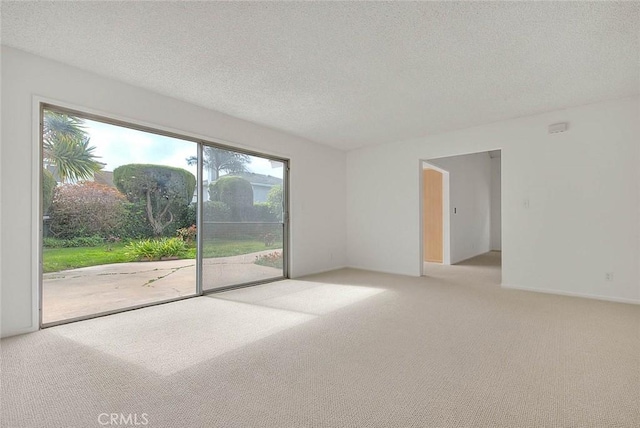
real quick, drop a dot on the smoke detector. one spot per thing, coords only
(556, 128)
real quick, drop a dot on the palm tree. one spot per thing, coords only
(66, 146)
(217, 160)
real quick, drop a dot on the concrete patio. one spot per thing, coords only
(80, 292)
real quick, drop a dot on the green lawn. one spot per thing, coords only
(57, 259)
(233, 248)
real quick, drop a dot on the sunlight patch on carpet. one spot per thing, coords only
(303, 296)
(169, 338)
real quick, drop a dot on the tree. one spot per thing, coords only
(163, 190)
(66, 146)
(218, 160)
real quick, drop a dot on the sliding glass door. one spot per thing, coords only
(243, 218)
(132, 216)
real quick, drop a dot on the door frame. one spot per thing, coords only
(446, 219)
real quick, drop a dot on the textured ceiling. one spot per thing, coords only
(348, 74)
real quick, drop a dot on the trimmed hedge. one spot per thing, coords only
(133, 179)
(168, 190)
(236, 193)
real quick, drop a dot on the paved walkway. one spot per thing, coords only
(85, 291)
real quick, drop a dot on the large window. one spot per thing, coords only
(134, 216)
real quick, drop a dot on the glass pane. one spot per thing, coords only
(119, 217)
(243, 212)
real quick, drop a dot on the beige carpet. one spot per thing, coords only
(343, 349)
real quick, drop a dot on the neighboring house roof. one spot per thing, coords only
(259, 179)
(104, 177)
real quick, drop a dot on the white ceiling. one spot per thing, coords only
(348, 74)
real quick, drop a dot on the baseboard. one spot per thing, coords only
(331, 269)
(19, 331)
(388, 272)
(572, 294)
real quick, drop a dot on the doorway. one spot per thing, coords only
(460, 200)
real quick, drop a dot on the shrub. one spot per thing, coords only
(52, 242)
(275, 201)
(112, 240)
(136, 224)
(263, 212)
(81, 241)
(216, 211)
(143, 249)
(187, 234)
(164, 192)
(156, 249)
(273, 260)
(269, 239)
(86, 209)
(236, 193)
(191, 215)
(48, 186)
(184, 216)
(171, 247)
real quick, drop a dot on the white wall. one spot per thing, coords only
(317, 172)
(582, 187)
(496, 195)
(469, 206)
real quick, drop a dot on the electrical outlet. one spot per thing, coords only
(608, 276)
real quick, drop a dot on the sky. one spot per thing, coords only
(116, 145)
